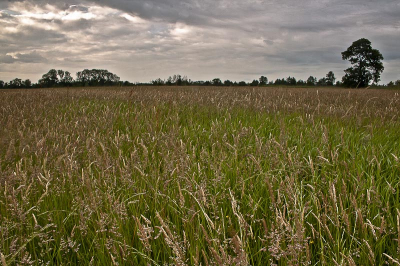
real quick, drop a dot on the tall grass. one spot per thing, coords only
(199, 176)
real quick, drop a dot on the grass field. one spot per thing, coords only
(199, 176)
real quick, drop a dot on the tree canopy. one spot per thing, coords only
(263, 80)
(330, 78)
(96, 77)
(311, 81)
(366, 64)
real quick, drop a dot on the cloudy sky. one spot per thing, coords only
(203, 39)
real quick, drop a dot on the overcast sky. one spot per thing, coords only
(203, 39)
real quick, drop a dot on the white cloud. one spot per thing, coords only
(134, 19)
(11, 29)
(76, 15)
(180, 31)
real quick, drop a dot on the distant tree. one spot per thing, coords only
(366, 64)
(217, 82)
(242, 83)
(322, 82)
(228, 82)
(1, 84)
(338, 83)
(280, 82)
(254, 83)
(127, 83)
(15, 83)
(61, 74)
(83, 77)
(178, 80)
(67, 79)
(330, 78)
(198, 82)
(186, 81)
(97, 77)
(50, 79)
(301, 82)
(263, 80)
(311, 81)
(158, 82)
(27, 83)
(291, 81)
(169, 81)
(56, 78)
(174, 79)
(396, 83)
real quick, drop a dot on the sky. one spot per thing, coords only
(203, 39)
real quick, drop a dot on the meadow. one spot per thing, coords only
(199, 176)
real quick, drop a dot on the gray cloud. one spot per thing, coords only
(29, 36)
(32, 57)
(6, 59)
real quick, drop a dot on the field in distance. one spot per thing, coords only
(199, 176)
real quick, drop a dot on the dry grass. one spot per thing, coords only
(199, 176)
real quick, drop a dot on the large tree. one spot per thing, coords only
(366, 64)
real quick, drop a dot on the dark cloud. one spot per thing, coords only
(303, 14)
(6, 59)
(32, 57)
(31, 37)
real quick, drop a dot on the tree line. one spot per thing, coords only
(98, 78)
(179, 80)
(366, 66)
(61, 78)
